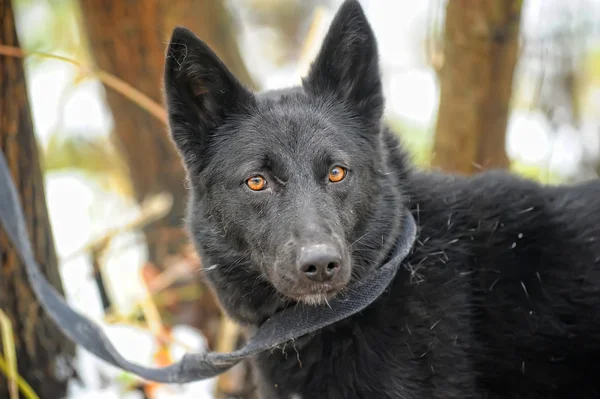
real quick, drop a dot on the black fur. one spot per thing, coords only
(500, 297)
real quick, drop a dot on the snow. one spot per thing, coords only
(101, 380)
(79, 211)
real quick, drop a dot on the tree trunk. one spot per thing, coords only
(42, 351)
(480, 52)
(128, 39)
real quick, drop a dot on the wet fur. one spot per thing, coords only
(500, 297)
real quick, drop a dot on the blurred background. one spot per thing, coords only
(470, 85)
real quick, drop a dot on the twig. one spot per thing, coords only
(229, 333)
(134, 95)
(8, 346)
(154, 321)
(175, 271)
(25, 388)
(108, 79)
(153, 209)
(117, 320)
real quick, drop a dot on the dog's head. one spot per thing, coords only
(291, 191)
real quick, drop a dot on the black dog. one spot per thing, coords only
(300, 191)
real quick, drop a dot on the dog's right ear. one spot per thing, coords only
(200, 93)
(347, 65)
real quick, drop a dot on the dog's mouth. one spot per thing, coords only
(294, 290)
(316, 297)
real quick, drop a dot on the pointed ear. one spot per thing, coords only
(347, 65)
(200, 93)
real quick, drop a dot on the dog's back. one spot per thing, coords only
(531, 259)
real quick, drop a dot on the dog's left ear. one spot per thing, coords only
(347, 65)
(200, 93)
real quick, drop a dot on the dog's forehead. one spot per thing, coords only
(292, 121)
(287, 126)
(286, 123)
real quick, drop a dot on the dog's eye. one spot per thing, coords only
(256, 183)
(337, 174)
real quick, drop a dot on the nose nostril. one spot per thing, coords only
(319, 263)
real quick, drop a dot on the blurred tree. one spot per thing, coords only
(558, 59)
(128, 39)
(44, 354)
(480, 52)
(287, 19)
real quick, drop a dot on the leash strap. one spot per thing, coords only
(287, 325)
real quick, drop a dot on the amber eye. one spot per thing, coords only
(256, 183)
(337, 174)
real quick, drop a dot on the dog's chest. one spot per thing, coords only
(385, 361)
(343, 368)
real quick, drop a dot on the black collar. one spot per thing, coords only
(284, 326)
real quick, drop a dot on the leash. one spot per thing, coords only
(284, 326)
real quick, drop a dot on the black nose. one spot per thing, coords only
(319, 263)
